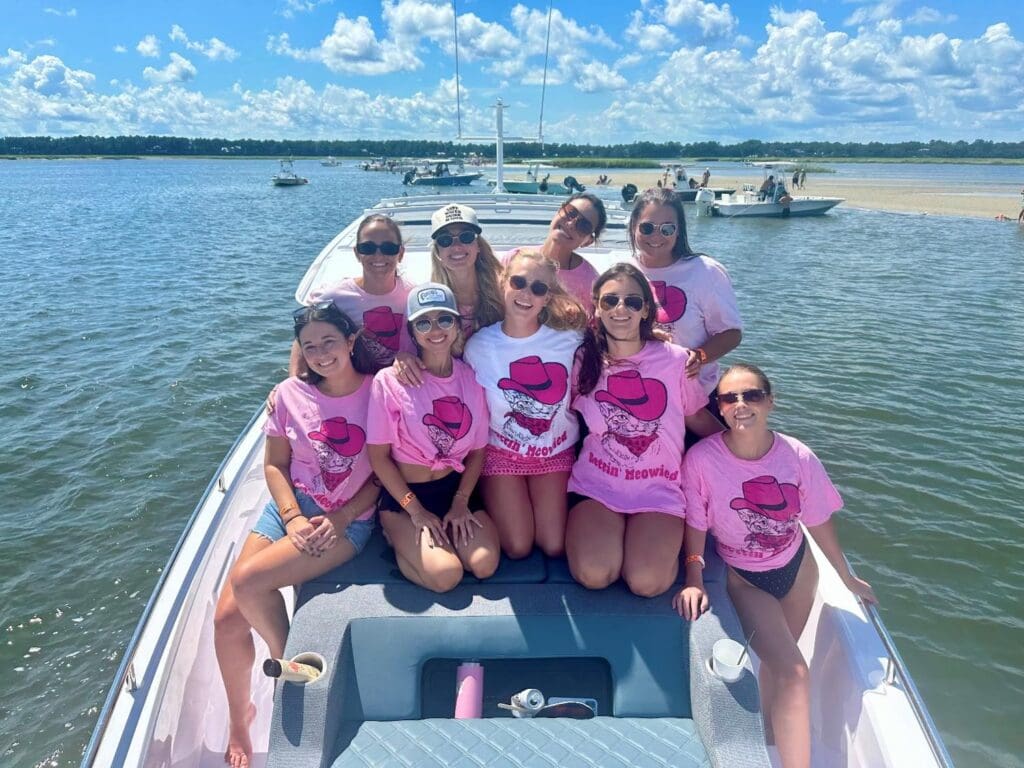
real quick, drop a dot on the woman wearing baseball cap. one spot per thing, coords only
(426, 446)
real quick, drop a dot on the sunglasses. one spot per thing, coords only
(445, 240)
(367, 248)
(647, 228)
(443, 322)
(581, 222)
(610, 301)
(746, 396)
(300, 314)
(537, 288)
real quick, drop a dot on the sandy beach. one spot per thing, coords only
(977, 201)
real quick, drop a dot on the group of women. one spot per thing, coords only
(454, 411)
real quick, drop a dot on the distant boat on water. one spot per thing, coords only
(330, 162)
(287, 177)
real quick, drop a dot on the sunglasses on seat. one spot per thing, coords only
(746, 396)
(368, 248)
(647, 228)
(445, 240)
(443, 322)
(610, 301)
(537, 287)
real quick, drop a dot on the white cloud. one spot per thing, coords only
(629, 60)
(70, 13)
(120, 49)
(711, 19)
(926, 15)
(867, 14)
(294, 7)
(48, 75)
(149, 46)
(214, 49)
(179, 70)
(649, 37)
(596, 76)
(12, 58)
(352, 47)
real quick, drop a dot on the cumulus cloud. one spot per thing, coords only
(596, 76)
(649, 37)
(120, 49)
(713, 20)
(873, 12)
(12, 58)
(178, 70)
(149, 46)
(48, 75)
(351, 47)
(214, 49)
(293, 8)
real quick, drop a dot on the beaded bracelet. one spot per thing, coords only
(407, 500)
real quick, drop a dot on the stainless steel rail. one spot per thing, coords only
(126, 671)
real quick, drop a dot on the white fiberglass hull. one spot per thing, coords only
(733, 206)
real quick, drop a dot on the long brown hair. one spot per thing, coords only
(593, 353)
(562, 312)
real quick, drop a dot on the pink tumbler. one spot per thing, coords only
(469, 690)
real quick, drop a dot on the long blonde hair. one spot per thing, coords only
(563, 312)
(490, 306)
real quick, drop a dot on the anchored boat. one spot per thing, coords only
(287, 177)
(388, 652)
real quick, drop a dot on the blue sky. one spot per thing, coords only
(620, 71)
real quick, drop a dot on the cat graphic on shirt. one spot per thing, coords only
(632, 407)
(534, 391)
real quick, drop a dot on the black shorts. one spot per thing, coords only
(778, 581)
(435, 495)
(576, 498)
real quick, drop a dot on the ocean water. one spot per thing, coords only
(145, 313)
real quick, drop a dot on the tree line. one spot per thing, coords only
(176, 145)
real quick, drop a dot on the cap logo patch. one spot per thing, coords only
(430, 296)
(452, 213)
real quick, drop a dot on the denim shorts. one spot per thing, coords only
(270, 526)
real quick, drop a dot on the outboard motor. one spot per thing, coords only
(705, 200)
(629, 193)
(570, 183)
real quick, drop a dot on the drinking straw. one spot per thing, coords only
(743, 653)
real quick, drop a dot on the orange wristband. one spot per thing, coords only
(289, 513)
(696, 559)
(406, 500)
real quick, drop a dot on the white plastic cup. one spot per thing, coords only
(725, 660)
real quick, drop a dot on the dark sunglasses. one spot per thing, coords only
(647, 228)
(424, 324)
(581, 222)
(610, 301)
(367, 248)
(445, 240)
(537, 288)
(746, 396)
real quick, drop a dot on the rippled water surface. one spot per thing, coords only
(145, 314)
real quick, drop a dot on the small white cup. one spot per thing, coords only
(725, 655)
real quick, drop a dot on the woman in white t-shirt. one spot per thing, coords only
(523, 364)
(696, 301)
(755, 490)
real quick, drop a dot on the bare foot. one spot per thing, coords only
(239, 751)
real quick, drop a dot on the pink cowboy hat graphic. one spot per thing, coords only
(671, 301)
(642, 398)
(544, 382)
(346, 439)
(451, 416)
(769, 497)
(383, 325)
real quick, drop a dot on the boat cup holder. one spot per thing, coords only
(302, 669)
(726, 662)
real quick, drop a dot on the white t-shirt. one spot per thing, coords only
(695, 301)
(528, 388)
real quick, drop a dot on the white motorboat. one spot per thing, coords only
(437, 172)
(537, 184)
(388, 650)
(287, 177)
(771, 199)
(330, 162)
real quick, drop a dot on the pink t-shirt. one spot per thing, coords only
(433, 425)
(527, 386)
(695, 301)
(754, 508)
(383, 316)
(328, 440)
(632, 456)
(578, 282)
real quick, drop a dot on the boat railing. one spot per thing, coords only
(126, 676)
(896, 669)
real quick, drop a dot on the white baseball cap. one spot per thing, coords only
(453, 214)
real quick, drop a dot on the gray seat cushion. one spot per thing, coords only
(603, 742)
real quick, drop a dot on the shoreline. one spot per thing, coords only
(976, 201)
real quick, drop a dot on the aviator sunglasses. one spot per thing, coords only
(537, 288)
(647, 228)
(746, 396)
(367, 248)
(610, 301)
(445, 240)
(443, 322)
(581, 222)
